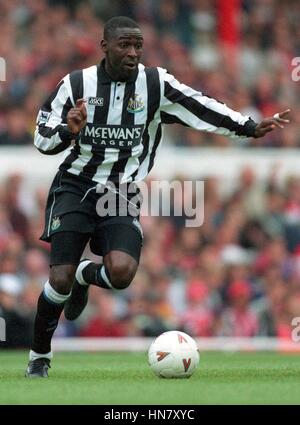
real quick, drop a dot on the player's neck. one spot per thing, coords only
(114, 75)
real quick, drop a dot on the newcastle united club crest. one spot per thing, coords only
(135, 104)
(55, 223)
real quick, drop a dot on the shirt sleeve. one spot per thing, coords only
(51, 134)
(184, 105)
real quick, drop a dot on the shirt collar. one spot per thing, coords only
(104, 78)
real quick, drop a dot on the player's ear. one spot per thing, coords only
(104, 46)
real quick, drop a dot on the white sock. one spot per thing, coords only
(104, 277)
(78, 275)
(33, 355)
(54, 296)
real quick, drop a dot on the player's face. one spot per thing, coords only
(123, 53)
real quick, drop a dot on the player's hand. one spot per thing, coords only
(76, 117)
(268, 124)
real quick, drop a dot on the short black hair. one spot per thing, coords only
(115, 23)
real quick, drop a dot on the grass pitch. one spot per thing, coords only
(125, 378)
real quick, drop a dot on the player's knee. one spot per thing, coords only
(121, 268)
(61, 279)
(121, 275)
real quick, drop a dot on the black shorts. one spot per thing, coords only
(75, 215)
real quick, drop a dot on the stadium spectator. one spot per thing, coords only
(104, 321)
(17, 131)
(18, 325)
(198, 318)
(238, 319)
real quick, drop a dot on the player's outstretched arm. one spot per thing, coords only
(269, 124)
(184, 105)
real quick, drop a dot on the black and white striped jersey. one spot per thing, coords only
(125, 121)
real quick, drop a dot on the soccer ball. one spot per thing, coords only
(173, 354)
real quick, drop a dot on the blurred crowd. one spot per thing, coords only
(236, 275)
(43, 40)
